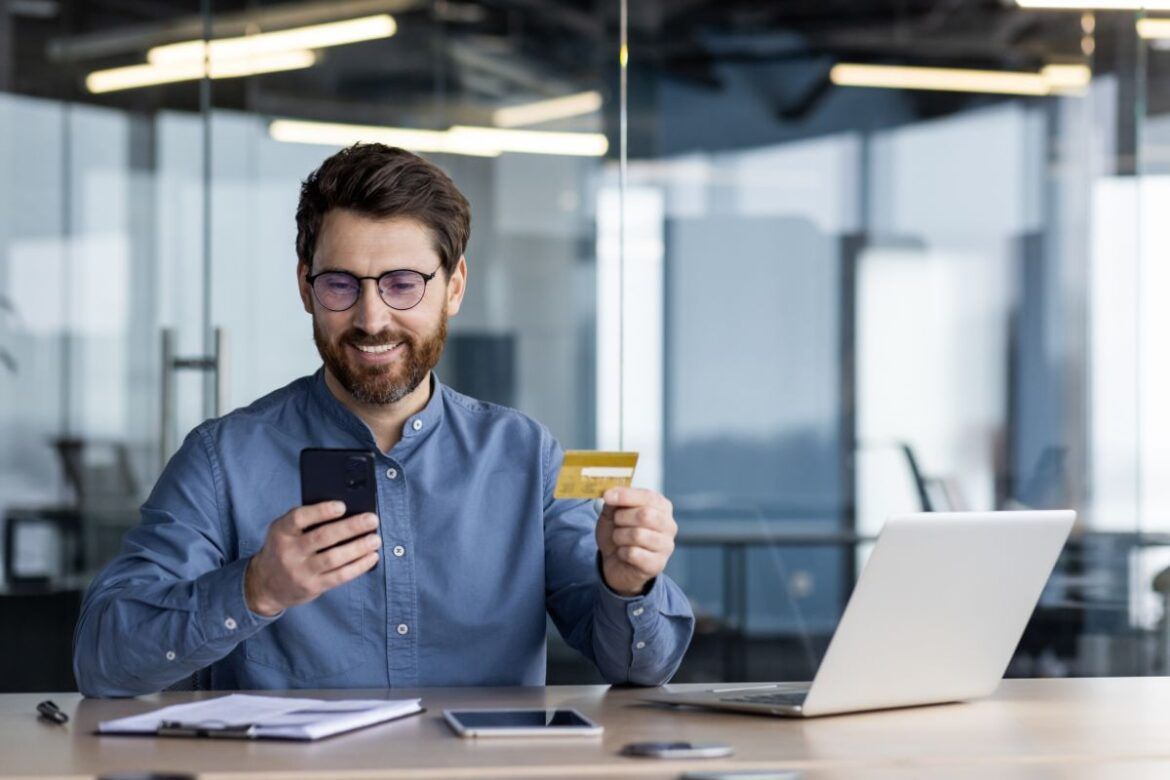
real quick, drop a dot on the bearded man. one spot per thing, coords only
(228, 582)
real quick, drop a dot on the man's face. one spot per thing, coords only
(353, 342)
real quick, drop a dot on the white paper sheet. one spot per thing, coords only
(275, 717)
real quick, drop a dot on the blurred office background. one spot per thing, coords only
(807, 263)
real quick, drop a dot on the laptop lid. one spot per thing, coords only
(939, 609)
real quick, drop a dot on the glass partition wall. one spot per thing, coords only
(147, 277)
(911, 262)
(811, 290)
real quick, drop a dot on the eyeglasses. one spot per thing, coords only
(339, 290)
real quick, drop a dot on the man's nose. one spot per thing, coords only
(371, 313)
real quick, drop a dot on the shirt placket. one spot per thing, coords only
(399, 571)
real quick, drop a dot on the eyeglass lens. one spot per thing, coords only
(337, 291)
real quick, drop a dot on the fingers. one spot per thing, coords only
(635, 536)
(304, 516)
(348, 572)
(639, 507)
(636, 517)
(653, 517)
(340, 530)
(344, 554)
(295, 566)
(633, 497)
(645, 561)
(654, 541)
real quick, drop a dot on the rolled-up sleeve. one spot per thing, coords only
(171, 602)
(636, 640)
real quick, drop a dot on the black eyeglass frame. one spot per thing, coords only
(311, 278)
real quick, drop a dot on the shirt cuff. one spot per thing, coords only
(223, 609)
(635, 611)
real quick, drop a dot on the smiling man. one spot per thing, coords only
(228, 582)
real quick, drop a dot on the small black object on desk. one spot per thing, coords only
(48, 710)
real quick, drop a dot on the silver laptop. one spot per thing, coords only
(935, 617)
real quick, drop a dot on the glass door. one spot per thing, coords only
(106, 351)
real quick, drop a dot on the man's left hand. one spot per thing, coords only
(635, 535)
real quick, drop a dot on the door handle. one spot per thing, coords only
(216, 363)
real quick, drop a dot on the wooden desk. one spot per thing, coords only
(1097, 728)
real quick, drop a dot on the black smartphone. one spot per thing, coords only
(339, 475)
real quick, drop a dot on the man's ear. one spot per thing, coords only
(304, 287)
(456, 287)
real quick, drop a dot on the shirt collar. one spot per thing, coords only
(419, 425)
(414, 429)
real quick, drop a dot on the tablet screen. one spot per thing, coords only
(520, 719)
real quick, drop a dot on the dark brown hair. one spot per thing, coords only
(385, 181)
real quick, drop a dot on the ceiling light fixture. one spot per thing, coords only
(461, 139)
(531, 141)
(248, 55)
(338, 134)
(1154, 29)
(134, 76)
(1052, 79)
(1096, 5)
(548, 110)
(316, 36)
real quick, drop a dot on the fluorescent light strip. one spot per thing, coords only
(548, 110)
(135, 76)
(944, 79)
(334, 134)
(1054, 78)
(1067, 78)
(1153, 29)
(1095, 5)
(317, 36)
(532, 141)
(475, 141)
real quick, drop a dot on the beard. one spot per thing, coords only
(386, 384)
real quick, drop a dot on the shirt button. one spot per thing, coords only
(392, 473)
(230, 624)
(170, 655)
(640, 645)
(638, 611)
(403, 629)
(417, 425)
(399, 551)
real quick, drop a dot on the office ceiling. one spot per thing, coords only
(460, 58)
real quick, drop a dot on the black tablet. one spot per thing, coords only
(521, 723)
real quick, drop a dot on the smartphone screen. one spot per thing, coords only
(339, 475)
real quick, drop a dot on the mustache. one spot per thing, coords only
(359, 338)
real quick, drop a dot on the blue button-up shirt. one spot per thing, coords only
(475, 551)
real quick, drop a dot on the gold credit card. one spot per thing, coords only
(588, 474)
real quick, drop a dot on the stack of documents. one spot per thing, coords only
(241, 716)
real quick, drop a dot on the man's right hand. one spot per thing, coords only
(294, 566)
